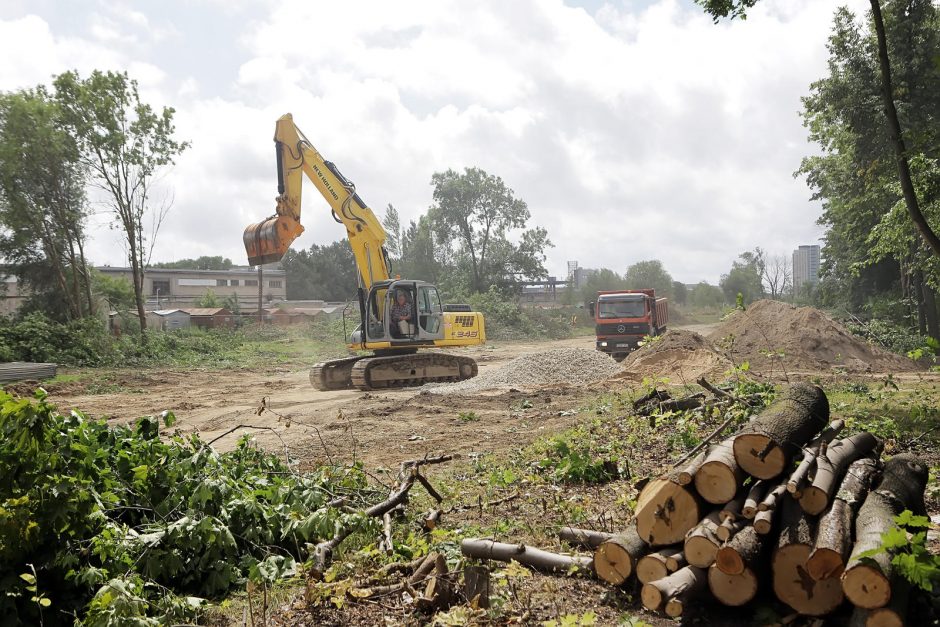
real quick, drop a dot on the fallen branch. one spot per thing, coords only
(538, 559)
(586, 538)
(810, 453)
(711, 436)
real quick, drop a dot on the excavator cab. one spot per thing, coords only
(427, 314)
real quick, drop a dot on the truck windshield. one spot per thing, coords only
(621, 309)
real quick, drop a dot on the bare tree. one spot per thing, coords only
(777, 275)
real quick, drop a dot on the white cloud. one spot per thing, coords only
(632, 134)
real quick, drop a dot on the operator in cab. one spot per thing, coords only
(401, 314)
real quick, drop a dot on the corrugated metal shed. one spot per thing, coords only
(23, 371)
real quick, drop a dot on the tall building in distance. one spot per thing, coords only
(805, 266)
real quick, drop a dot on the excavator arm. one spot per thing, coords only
(267, 241)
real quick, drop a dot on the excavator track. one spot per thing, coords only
(395, 371)
(334, 374)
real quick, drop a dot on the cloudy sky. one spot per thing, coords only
(634, 129)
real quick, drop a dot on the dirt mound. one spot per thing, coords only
(775, 338)
(574, 366)
(681, 356)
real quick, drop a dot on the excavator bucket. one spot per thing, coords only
(266, 242)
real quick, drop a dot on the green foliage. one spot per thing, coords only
(649, 274)
(907, 545)
(743, 279)
(208, 300)
(572, 460)
(602, 280)
(114, 523)
(505, 319)
(117, 292)
(730, 9)
(894, 337)
(707, 296)
(321, 272)
(200, 263)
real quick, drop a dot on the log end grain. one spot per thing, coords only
(764, 522)
(824, 563)
(814, 500)
(665, 512)
(758, 456)
(650, 568)
(674, 608)
(729, 561)
(866, 587)
(651, 597)
(795, 587)
(716, 482)
(732, 590)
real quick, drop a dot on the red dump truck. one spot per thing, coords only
(624, 317)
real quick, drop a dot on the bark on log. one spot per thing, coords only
(764, 522)
(729, 527)
(585, 538)
(792, 583)
(732, 508)
(765, 446)
(687, 473)
(830, 468)
(794, 484)
(676, 561)
(868, 584)
(770, 500)
(616, 558)
(671, 594)
(701, 543)
(834, 535)
(538, 559)
(754, 496)
(732, 590)
(740, 552)
(718, 478)
(666, 511)
(656, 565)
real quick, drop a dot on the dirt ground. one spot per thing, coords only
(380, 429)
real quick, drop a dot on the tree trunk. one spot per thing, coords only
(792, 583)
(718, 478)
(529, 556)
(795, 483)
(765, 446)
(921, 308)
(671, 594)
(666, 511)
(867, 583)
(701, 543)
(834, 536)
(732, 590)
(930, 308)
(754, 496)
(586, 538)
(896, 136)
(830, 468)
(139, 293)
(740, 552)
(616, 559)
(656, 565)
(686, 474)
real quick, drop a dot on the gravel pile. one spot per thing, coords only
(574, 366)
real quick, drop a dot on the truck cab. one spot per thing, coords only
(623, 318)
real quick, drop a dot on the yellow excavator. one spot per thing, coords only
(394, 360)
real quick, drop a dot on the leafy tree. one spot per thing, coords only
(323, 272)
(125, 144)
(472, 217)
(117, 292)
(649, 274)
(602, 280)
(680, 293)
(200, 263)
(43, 205)
(392, 226)
(209, 300)
(705, 296)
(744, 279)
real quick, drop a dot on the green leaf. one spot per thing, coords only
(908, 519)
(169, 418)
(894, 538)
(28, 578)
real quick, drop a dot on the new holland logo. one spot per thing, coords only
(621, 328)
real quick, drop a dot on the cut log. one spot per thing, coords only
(834, 535)
(701, 543)
(666, 511)
(764, 522)
(671, 594)
(676, 560)
(867, 583)
(615, 559)
(656, 565)
(892, 615)
(538, 559)
(768, 506)
(764, 447)
(729, 527)
(718, 479)
(732, 590)
(831, 467)
(732, 508)
(792, 583)
(476, 586)
(686, 474)
(773, 496)
(808, 462)
(586, 538)
(754, 496)
(740, 552)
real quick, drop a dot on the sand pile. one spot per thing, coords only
(807, 339)
(682, 356)
(574, 366)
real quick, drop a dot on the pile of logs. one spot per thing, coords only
(781, 505)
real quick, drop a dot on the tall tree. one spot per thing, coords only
(601, 280)
(321, 272)
(392, 226)
(125, 143)
(744, 279)
(200, 263)
(474, 213)
(43, 204)
(649, 274)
